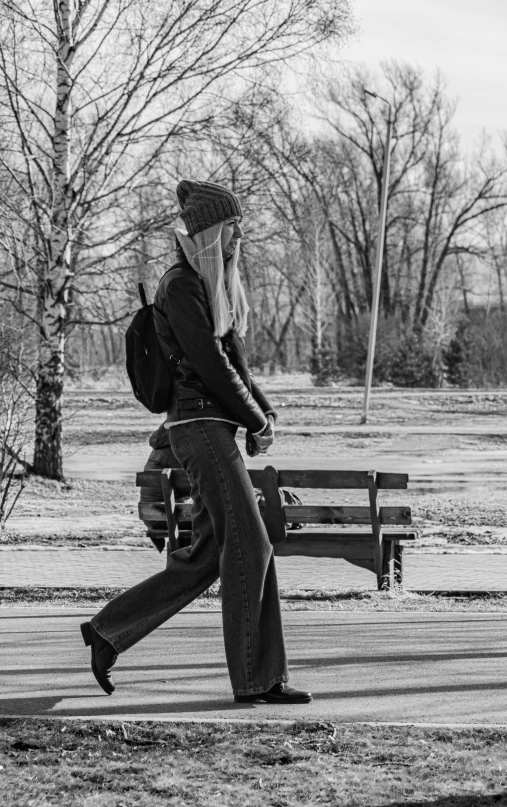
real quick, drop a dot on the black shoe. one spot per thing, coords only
(279, 693)
(103, 656)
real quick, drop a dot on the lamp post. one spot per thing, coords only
(378, 260)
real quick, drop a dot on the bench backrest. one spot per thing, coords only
(329, 480)
(172, 485)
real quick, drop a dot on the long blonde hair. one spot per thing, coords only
(224, 289)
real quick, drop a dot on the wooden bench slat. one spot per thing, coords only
(335, 480)
(333, 514)
(162, 533)
(353, 549)
(155, 511)
(359, 556)
(345, 534)
(303, 514)
(153, 480)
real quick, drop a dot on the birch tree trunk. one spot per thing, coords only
(94, 96)
(55, 274)
(318, 323)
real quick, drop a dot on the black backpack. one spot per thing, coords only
(286, 497)
(150, 374)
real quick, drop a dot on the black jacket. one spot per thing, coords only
(212, 379)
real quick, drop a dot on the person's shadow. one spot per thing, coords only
(28, 707)
(455, 801)
(100, 705)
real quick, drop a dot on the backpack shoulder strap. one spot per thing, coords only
(177, 354)
(176, 265)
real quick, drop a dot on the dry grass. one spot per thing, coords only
(108, 764)
(291, 600)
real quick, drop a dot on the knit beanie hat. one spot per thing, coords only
(204, 204)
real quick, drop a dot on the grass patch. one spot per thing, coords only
(291, 600)
(66, 596)
(108, 764)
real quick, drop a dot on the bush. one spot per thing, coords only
(456, 357)
(402, 357)
(411, 364)
(475, 356)
(324, 368)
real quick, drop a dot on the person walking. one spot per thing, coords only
(200, 307)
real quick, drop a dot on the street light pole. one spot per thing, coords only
(378, 262)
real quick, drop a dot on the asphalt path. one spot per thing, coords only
(378, 667)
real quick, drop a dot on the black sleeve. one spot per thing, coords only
(262, 400)
(186, 307)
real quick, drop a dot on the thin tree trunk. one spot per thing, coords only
(350, 311)
(500, 288)
(55, 274)
(48, 409)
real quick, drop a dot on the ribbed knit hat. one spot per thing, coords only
(204, 204)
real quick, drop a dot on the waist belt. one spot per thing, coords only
(196, 403)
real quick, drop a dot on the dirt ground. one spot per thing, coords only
(106, 439)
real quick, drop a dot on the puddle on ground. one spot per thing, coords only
(468, 471)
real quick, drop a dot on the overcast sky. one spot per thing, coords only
(466, 39)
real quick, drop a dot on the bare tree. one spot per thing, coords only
(437, 201)
(495, 249)
(436, 197)
(16, 398)
(92, 93)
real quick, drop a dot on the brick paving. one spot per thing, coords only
(68, 567)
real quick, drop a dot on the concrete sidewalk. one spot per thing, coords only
(422, 668)
(459, 570)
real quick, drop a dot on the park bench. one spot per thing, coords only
(370, 536)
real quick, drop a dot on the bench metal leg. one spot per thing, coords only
(379, 546)
(398, 564)
(392, 565)
(170, 502)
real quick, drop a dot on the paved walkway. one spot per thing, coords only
(428, 668)
(44, 566)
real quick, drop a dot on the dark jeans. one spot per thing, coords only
(229, 540)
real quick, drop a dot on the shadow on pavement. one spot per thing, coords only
(208, 668)
(456, 801)
(28, 706)
(485, 686)
(395, 658)
(102, 705)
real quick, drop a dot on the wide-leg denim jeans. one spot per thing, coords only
(229, 540)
